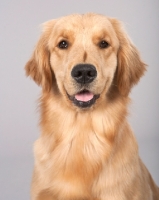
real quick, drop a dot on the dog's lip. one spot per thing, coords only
(84, 98)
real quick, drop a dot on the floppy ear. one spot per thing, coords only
(38, 67)
(130, 66)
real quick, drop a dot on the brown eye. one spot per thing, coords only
(103, 44)
(63, 44)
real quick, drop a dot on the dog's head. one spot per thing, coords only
(84, 58)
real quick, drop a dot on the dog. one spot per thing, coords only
(86, 66)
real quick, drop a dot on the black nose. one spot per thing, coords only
(84, 73)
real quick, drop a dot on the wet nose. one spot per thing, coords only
(84, 73)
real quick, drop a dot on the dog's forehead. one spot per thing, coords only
(83, 23)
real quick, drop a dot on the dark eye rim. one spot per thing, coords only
(103, 44)
(63, 44)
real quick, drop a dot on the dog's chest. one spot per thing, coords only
(73, 164)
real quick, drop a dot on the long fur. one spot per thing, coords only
(87, 153)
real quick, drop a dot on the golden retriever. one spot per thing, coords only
(86, 66)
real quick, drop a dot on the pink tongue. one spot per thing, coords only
(87, 96)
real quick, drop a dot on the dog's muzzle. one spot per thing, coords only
(84, 74)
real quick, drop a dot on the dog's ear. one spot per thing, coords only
(130, 66)
(38, 67)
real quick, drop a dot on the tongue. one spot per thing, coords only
(86, 96)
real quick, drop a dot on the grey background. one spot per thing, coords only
(19, 31)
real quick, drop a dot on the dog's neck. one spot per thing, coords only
(103, 124)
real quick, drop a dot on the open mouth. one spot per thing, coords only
(84, 99)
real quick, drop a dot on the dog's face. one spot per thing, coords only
(85, 58)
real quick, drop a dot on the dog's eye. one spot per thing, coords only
(103, 44)
(63, 44)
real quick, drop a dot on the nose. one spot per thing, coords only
(84, 73)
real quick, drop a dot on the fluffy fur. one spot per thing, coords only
(87, 153)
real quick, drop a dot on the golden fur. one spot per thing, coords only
(87, 153)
